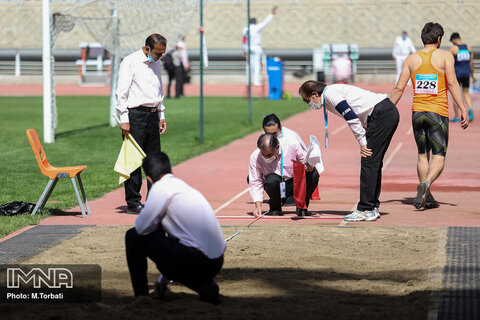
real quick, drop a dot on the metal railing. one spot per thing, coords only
(222, 62)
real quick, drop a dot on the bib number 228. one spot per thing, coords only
(426, 83)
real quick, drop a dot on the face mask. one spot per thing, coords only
(404, 37)
(269, 160)
(149, 57)
(314, 105)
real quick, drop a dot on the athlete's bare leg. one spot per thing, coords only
(435, 169)
(422, 166)
(468, 99)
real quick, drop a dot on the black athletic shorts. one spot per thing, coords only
(431, 132)
(464, 82)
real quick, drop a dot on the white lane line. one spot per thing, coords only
(385, 165)
(291, 217)
(389, 160)
(231, 200)
(339, 129)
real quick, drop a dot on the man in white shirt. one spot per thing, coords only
(401, 49)
(178, 230)
(256, 50)
(373, 119)
(272, 124)
(139, 103)
(342, 69)
(271, 166)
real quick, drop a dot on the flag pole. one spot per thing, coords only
(249, 66)
(201, 71)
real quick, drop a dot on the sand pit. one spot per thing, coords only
(270, 272)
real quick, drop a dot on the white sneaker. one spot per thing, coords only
(372, 215)
(356, 215)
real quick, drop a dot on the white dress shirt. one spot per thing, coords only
(288, 134)
(139, 84)
(292, 147)
(360, 101)
(184, 214)
(403, 48)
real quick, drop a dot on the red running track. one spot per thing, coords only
(220, 175)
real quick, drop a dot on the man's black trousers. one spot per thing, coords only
(144, 128)
(175, 261)
(381, 125)
(271, 186)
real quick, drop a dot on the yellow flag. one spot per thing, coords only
(129, 159)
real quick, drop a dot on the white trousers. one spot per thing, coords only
(256, 61)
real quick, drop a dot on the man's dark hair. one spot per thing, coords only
(454, 36)
(311, 86)
(271, 120)
(156, 164)
(267, 141)
(253, 20)
(431, 32)
(155, 39)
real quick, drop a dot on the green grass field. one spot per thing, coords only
(83, 137)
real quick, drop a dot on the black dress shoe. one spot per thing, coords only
(274, 213)
(135, 209)
(209, 292)
(303, 212)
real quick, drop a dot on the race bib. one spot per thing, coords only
(463, 55)
(426, 83)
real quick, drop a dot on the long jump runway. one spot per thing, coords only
(221, 177)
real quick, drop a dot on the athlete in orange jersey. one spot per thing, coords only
(432, 72)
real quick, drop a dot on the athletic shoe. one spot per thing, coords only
(422, 190)
(455, 120)
(430, 201)
(470, 114)
(377, 213)
(371, 215)
(355, 216)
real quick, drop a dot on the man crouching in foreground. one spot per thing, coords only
(177, 229)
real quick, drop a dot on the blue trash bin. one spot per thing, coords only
(275, 78)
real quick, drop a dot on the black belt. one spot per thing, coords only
(146, 109)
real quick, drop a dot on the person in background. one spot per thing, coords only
(167, 61)
(464, 69)
(185, 62)
(342, 69)
(179, 71)
(401, 49)
(256, 50)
